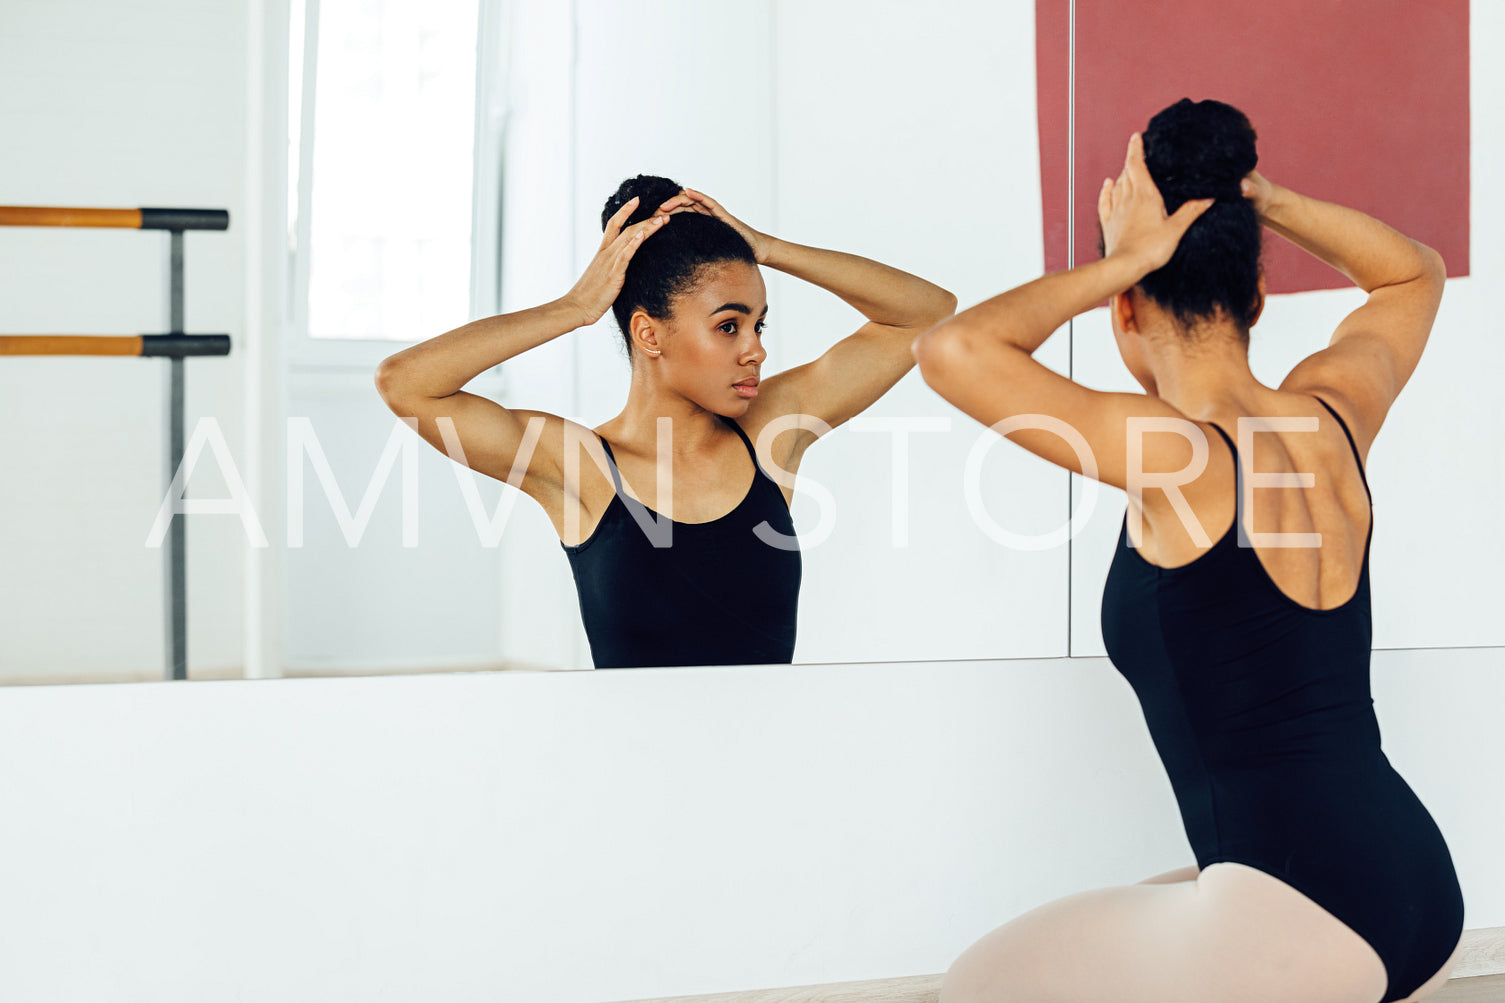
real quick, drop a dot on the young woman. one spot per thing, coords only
(681, 543)
(1320, 876)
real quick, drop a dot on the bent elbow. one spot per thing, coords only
(923, 349)
(390, 379)
(946, 305)
(384, 377)
(935, 352)
(1436, 267)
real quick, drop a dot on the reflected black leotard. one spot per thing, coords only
(1260, 709)
(716, 595)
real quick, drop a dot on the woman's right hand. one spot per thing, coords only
(1133, 217)
(598, 287)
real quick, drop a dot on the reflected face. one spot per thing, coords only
(713, 344)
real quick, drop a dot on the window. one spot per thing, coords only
(382, 154)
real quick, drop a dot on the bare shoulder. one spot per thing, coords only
(776, 426)
(1373, 354)
(554, 460)
(1306, 393)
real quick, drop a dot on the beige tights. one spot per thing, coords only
(1231, 934)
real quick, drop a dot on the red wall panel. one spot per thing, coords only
(1363, 102)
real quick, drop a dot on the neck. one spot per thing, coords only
(693, 428)
(1204, 373)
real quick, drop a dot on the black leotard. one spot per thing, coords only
(1260, 709)
(717, 595)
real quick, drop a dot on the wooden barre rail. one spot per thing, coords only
(131, 219)
(69, 344)
(149, 345)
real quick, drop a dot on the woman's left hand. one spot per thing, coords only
(690, 200)
(1133, 215)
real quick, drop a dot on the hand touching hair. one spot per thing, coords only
(674, 260)
(1197, 150)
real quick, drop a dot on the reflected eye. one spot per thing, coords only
(730, 327)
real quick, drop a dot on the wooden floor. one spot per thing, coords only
(1478, 977)
(1480, 989)
(914, 989)
(926, 988)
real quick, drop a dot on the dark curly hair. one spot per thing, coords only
(1203, 149)
(672, 261)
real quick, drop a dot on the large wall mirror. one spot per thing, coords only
(926, 142)
(966, 146)
(940, 142)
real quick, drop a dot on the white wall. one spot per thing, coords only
(584, 837)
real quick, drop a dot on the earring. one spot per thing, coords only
(653, 351)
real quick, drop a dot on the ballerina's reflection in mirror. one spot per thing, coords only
(677, 529)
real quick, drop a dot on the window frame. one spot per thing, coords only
(304, 352)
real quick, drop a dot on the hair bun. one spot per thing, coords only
(1200, 149)
(650, 190)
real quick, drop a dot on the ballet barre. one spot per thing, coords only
(174, 220)
(175, 346)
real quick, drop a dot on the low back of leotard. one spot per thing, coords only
(1260, 709)
(716, 595)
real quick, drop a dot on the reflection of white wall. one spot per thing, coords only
(798, 122)
(581, 837)
(914, 141)
(125, 105)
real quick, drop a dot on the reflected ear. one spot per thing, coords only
(1259, 301)
(645, 334)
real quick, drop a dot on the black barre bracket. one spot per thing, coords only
(177, 346)
(185, 219)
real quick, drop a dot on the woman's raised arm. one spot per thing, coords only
(982, 360)
(856, 371)
(424, 381)
(1375, 350)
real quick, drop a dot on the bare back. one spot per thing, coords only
(1336, 506)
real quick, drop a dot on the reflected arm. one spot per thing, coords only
(424, 382)
(862, 367)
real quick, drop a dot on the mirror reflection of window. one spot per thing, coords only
(386, 190)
